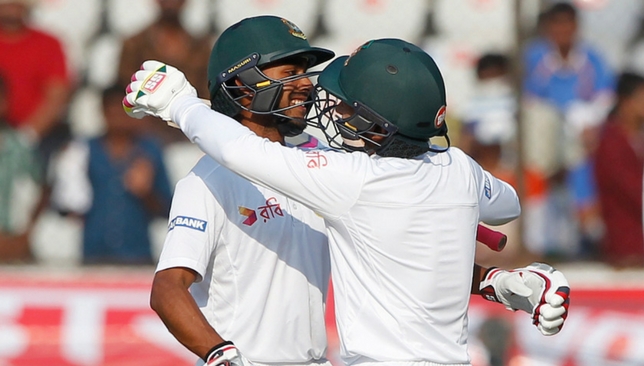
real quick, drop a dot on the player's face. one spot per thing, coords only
(294, 93)
(344, 110)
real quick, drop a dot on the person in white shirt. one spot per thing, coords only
(401, 218)
(242, 265)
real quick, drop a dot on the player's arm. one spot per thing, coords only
(186, 255)
(172, 301)
(498, 201)
(174, 304)
(328, 182)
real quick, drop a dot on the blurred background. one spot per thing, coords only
(546, 95)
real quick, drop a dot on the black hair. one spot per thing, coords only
(561, 8)
(627, 84)
(492, 61)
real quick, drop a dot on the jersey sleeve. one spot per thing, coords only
(190, 240)
(328, 182)
(498, 201)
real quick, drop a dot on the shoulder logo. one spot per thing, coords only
(294, 30)
(439, 120)
(189, 222)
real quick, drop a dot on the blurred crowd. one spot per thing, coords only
(557, 119)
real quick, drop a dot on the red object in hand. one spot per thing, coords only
(495, 240)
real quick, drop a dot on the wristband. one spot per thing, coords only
(215, 348)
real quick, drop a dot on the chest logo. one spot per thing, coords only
(250, 214)
(268, 211)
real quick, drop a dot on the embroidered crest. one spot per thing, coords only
(362, 47)
(294, 29)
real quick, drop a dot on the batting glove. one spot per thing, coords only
(224, 354)
(538, 289)
(153, 89)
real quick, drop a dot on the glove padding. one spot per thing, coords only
(224, 354)
(538, 289)
(153, 89)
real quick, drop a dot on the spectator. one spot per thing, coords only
(619, 166)
(38, 91)
(17, 162)
(488, 136)
(168, 41)
(117, 182)
(568, 73)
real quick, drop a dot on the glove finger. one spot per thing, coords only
(558, 297)
(153, 65)
(141, 76)
(548, 331)
(549, 312)
(131, 108)
(548, 324)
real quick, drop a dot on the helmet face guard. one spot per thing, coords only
(353, 133)
(388, 82)
(262, 91)
(240, 54)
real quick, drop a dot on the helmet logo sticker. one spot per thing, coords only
(294, 29)
(439, 120)
(362, 47)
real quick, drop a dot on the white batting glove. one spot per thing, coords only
(153, 89)
(538, 289)
(224, 354)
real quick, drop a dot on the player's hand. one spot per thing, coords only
(153, 89)
(538, 289)
(224, 354)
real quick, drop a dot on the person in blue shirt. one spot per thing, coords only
(118, 183)
(572, 76)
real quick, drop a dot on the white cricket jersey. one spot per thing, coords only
(263, 263)
(401, 233)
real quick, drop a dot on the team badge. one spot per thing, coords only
(362, 47)
(439, 120)
(294, 29)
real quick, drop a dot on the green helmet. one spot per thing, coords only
(390, 83)
(240, 53)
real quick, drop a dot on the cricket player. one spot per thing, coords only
(256, 262)
(400, 213)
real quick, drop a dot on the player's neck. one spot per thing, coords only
(263, 126)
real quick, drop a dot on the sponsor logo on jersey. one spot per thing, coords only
(250, 214)
(189, 222)
(316, 160)
(488, 188)
(268, 211)
(294, 30)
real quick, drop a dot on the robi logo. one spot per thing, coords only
(153, 82)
